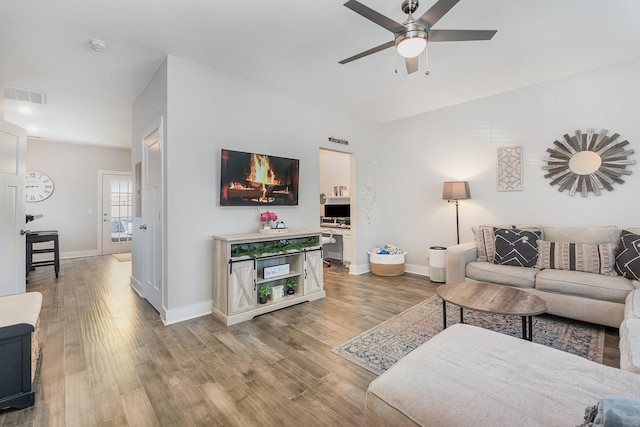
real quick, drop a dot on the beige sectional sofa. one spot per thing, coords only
(585, 296)
(468, 376)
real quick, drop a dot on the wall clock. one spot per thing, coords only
(588, 162)
(39, 187)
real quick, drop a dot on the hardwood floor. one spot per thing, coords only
(107, 360)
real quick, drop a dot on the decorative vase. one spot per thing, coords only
(263, 300)
(291, 291)
(266, 225)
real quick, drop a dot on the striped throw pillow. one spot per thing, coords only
(590, 258)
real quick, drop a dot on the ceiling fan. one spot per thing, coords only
(411, 37)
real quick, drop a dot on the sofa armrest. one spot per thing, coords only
(458, 257)
(636, 284)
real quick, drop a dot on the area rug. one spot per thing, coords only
(380, 347)
(123, 257)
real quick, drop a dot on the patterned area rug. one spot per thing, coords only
(380, 347)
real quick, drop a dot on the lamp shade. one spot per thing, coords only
(456, 190)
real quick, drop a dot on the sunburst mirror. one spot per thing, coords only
(587, 162)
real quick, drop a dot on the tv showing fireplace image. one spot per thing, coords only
(250, 179)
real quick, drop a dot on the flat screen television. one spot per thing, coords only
(251, 179)
(337, 211)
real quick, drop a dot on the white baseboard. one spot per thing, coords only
(190, 312)
(136, 285)
(408, 268)
(78, 254)
(358, 269)
(416, 269)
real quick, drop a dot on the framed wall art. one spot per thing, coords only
(509, 169)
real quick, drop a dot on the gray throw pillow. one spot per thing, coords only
(628, 255)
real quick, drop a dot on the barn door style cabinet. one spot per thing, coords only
(245, 262)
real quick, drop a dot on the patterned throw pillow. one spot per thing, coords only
(598, 259)
(485, 239)
(484, 243)
(516, 247)
(628, 255)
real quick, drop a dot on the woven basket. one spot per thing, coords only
(386, 265)
(387, 269)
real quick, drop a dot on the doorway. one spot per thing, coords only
(117, 211)
(13, 170)
(152, 217)
(337, 208)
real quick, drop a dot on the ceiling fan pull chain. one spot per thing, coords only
(426, 59)
(396, 62)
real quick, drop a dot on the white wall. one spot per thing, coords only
(460, 142)
(2, 98)
(208, 110)
(73, 207)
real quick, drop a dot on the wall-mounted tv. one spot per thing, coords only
(250, 179)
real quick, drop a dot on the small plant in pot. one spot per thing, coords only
(291, 286)
(264, 292)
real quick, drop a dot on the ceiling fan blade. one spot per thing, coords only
(412, 64)
(368, 52)
(375, 17)
(437, 11)
(460, 35)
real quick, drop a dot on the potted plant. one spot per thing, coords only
(264, 292)
(291, 286)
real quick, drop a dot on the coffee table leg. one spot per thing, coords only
(444, 314)
(461, 316)
(527, 328)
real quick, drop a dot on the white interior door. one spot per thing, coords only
(13, 169)
(152, 218)
(117, 211)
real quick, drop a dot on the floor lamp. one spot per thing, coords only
(454, 191)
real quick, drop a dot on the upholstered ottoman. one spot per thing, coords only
(468, 376)
(19, 348)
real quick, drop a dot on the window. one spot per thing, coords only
(121, 210)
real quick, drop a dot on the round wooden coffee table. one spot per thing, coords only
(491, 298)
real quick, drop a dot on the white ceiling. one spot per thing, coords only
(292, 45)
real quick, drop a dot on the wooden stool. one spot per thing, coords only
(43, 237)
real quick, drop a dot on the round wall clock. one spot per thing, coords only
(588, 162)
(39, 187)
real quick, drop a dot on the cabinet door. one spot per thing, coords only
(346, 248)
(313, 281)
(242, 287)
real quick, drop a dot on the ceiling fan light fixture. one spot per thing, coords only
(411, 43)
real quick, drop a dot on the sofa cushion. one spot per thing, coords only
(467, 376)
(628, 255)
(485, 239)
(632, 305)
(586, 285)
(519, 277)
(590, 258)
(630, 345)
(594, 235)
(516, 247)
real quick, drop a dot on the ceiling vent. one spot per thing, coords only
(25, 95)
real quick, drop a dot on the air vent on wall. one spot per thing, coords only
(25, 95)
